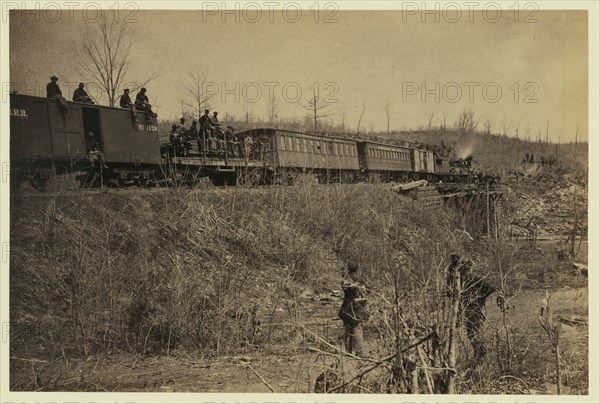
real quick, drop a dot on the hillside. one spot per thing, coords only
(177, 283)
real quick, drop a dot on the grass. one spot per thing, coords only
(124, 279)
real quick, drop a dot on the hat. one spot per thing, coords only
(182, 120)
(53, 78)
(174, 127)
(230, 127)
(206, 111)
(143, 89)
(352, 266)
(215, 113)
(81, 84)
(126, 90)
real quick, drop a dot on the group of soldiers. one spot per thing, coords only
(142, 103)
(80, 95)
(211, 138)
(530, 159)
(472, 295)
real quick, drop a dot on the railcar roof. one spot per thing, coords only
(71, 102)
(337, 138)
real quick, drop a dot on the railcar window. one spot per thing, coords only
(282, 141)
(290, 143)
(311, 146)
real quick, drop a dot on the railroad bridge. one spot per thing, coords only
(478, 204)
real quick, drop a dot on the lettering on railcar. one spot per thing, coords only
(19, 112)
(147, 127)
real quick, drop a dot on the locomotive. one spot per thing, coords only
(116, 147)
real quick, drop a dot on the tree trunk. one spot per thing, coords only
(453, 332)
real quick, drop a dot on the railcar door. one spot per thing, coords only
(91, 124)
(66, 130)
(362, 150)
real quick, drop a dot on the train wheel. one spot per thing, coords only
(142, 182)
(38, 182)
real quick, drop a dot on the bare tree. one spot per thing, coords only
(185, 113)
(103, 54)
(444, 117)
(248, 115)
(196, 90)
(386, 108)
(273, 110)
(430, 116)
(342, 114)
(466, 122)
(316, 106)
(487, 126)
(364, 107)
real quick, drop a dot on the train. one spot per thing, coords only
(49, 137)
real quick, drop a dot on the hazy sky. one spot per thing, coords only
(370, 58)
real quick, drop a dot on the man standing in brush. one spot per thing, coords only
(473, 293)
(354, 308)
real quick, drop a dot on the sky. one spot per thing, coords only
(525, 71)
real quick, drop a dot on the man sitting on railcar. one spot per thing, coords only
(232, 143)
(52, 89)
(142, 103)
(125, 100)
(93, 149)
(80, 95)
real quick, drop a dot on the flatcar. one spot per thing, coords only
(114, 146)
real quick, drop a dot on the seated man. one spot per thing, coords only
(80, 95)
(93, 149)
(232, 143)
(125, 102)
(53, 91)
(220, 138)
(142, 103)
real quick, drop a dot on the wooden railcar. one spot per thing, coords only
(48, 136)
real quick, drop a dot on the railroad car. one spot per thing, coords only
(115, 146)
(47, 137)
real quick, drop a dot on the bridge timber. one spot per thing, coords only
(478, 204)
